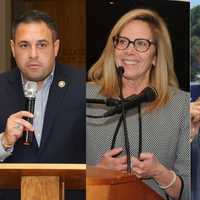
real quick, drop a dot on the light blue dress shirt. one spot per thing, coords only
(39, 112)
(40, 107)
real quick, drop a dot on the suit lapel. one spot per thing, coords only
(54, 103)
(15, 91)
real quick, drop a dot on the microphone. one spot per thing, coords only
(108, 102)
(120, 70)
(30, 90)
(149, 94)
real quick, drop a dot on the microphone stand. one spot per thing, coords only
(116, 132)
(120, 71)
(140, 130)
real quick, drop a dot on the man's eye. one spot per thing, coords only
(23, 46)
(41, 45)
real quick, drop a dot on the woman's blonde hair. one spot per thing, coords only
(162, 75)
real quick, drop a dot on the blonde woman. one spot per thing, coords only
(140, 42)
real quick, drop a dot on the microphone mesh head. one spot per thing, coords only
(30, 89)
(120, 70)
(151, 94)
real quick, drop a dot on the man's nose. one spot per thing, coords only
(33, 52)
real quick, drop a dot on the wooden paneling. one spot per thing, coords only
(70, 16)
(5, 20)
(105, 184)
(40, 188)
(72, 174)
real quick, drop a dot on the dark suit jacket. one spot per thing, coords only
(196, 168)
(63, 135)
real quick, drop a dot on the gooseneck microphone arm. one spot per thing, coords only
(140, 130)
(120, 71)
(116, 133)
(110, 102)
(148, 94)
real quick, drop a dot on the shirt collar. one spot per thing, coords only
(48, 79)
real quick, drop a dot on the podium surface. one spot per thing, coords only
(48, 181)
(104, 184)
(72, 174)
(42, 181)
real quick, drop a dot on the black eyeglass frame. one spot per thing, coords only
(133, 42)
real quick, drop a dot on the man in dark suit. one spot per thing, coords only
(196, 168)
(59, 117)
(195, 150)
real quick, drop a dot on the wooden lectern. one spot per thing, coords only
(42, 181)
(48, 181)
(103, 184)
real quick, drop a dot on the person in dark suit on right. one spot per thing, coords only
(195, 150)
(196, 168)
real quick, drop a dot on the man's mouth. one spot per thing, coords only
(33, 65)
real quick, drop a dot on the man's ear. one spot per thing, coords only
(56, 47)
(12, 46)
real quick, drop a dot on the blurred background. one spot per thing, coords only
(70, 16)
(102, 15)
(195, 49)
(84, 23)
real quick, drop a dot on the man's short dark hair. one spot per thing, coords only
(35, 16)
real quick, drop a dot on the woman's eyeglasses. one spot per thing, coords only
(139, 44)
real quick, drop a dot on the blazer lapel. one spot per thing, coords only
(55, 99)
(15, 91)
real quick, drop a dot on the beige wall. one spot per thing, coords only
(5, 20)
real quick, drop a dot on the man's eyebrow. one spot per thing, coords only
(23, 41)
(38, 41)
(43, 40)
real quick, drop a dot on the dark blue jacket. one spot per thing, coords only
(196, 168)
(63, 135)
